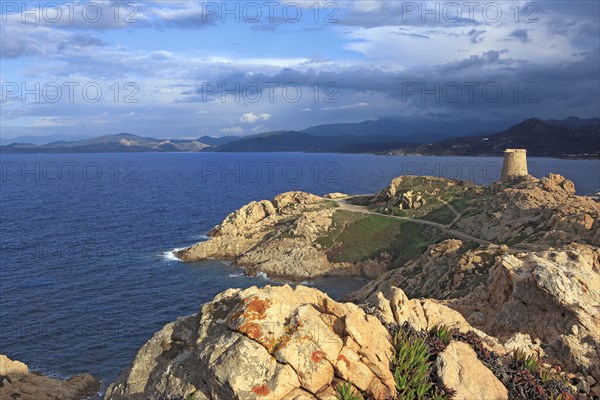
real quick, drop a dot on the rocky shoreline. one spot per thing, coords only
(17, 382)
(476, 292)
(501, 296)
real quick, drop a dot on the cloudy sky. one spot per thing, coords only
(188, 68)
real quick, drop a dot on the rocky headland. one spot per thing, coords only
(477, 292)
(299, 235)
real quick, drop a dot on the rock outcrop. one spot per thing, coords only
(407, 200)
(17, 382)
(445, 270)
(10, 367)
(525, 211)
(404, 183)
(279, 238)
(278, 235)
(335, 195)
(459, 368)
(539, 212)
(400, 194)
(291, 343)
(551, 296)
(272, 343)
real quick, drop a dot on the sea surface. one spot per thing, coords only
(87, 275)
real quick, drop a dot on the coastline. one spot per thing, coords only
(591, 157)
(493, 295)
(555, 192)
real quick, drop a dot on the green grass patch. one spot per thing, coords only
(396, 211)
(359, 200)
(328, 204)
(340, 220)
(356, 237)
(460, 204)
(413, 241)
(359, 236)
(443, 215)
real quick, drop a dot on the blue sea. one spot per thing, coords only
(86, 272)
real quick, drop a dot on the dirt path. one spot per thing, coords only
(444, 228)
(456, 213)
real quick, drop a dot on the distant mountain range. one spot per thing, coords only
(568, 138)
(39, 140)
(407, 130)
(122, 142)
(301, 141)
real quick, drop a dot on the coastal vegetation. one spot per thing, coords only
(358, 237)
(525, 375)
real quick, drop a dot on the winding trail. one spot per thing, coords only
(344, 205)
(456, 213)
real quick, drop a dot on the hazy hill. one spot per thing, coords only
(119, 143)
(301, 141)
(217, 141)
(39, 140)
(406, 130)
(574, 122)
(568, 138)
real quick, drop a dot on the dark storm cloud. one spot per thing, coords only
(527, 88)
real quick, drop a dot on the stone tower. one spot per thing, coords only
(515, 164)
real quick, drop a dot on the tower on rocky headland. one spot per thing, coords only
(515, 164)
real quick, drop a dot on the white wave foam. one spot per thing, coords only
(262, 275)
(170, 255)
(259, 275)
(200, 237)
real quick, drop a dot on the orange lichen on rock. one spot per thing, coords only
(317, 356)
(275, 344)
(256, 308)
(251, 329)
(261, 390)
(343, 358)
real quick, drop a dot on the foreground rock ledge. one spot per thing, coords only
(16, 382)
(283, 343)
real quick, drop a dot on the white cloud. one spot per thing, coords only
(348, 106)
(236, 130)
(259, 129)
(57, 121)
(251, 118)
